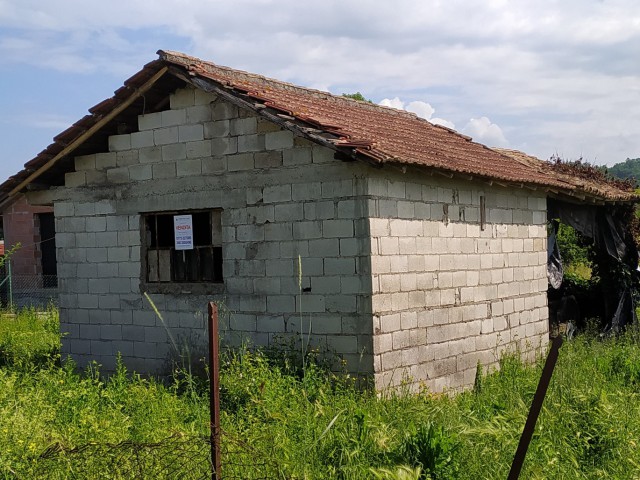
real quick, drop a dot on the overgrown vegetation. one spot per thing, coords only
(588, 171)
(575, 253)
(278, 423)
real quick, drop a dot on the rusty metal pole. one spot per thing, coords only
(214, 391)
(534, 411)
(10, 277)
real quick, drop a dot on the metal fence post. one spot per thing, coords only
(9, 276)
(214, 393)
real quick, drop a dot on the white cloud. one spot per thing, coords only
(483, 131)
(393, 103)
(443, 122)
(420, 108)
(555, 75)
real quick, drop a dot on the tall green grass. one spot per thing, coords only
(281, 423)
(324, 428)
(29, 336)
(44, 405)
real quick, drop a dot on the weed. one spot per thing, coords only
(430, 448)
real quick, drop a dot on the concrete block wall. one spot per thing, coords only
(294, 231)
(448, 290)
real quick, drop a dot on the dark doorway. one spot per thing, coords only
(48, 250)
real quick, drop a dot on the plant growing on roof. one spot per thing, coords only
(357, 96)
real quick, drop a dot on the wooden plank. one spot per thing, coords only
(216, 228)
(192, 261)
(164, 265)
(206, 271)
(152, 266)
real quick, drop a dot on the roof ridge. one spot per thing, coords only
(172, 56)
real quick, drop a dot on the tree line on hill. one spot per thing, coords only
(630, 169)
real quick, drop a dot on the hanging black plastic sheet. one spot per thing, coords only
(593, 222)
(625, 313)
(555, 271)
(607, 233)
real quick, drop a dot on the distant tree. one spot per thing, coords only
(630, 169)
(357, 96)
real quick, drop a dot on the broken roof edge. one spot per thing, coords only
(579, 188)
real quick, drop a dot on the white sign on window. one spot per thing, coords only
(183, 232)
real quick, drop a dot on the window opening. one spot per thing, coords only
(202, 263)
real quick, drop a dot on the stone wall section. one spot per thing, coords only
(450, 291)
(294, 231)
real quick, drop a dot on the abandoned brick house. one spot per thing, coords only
(33, 264)
(421, 252)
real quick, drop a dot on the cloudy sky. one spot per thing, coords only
(548, 77)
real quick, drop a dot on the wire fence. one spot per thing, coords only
(176, 457)
(26, 291)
